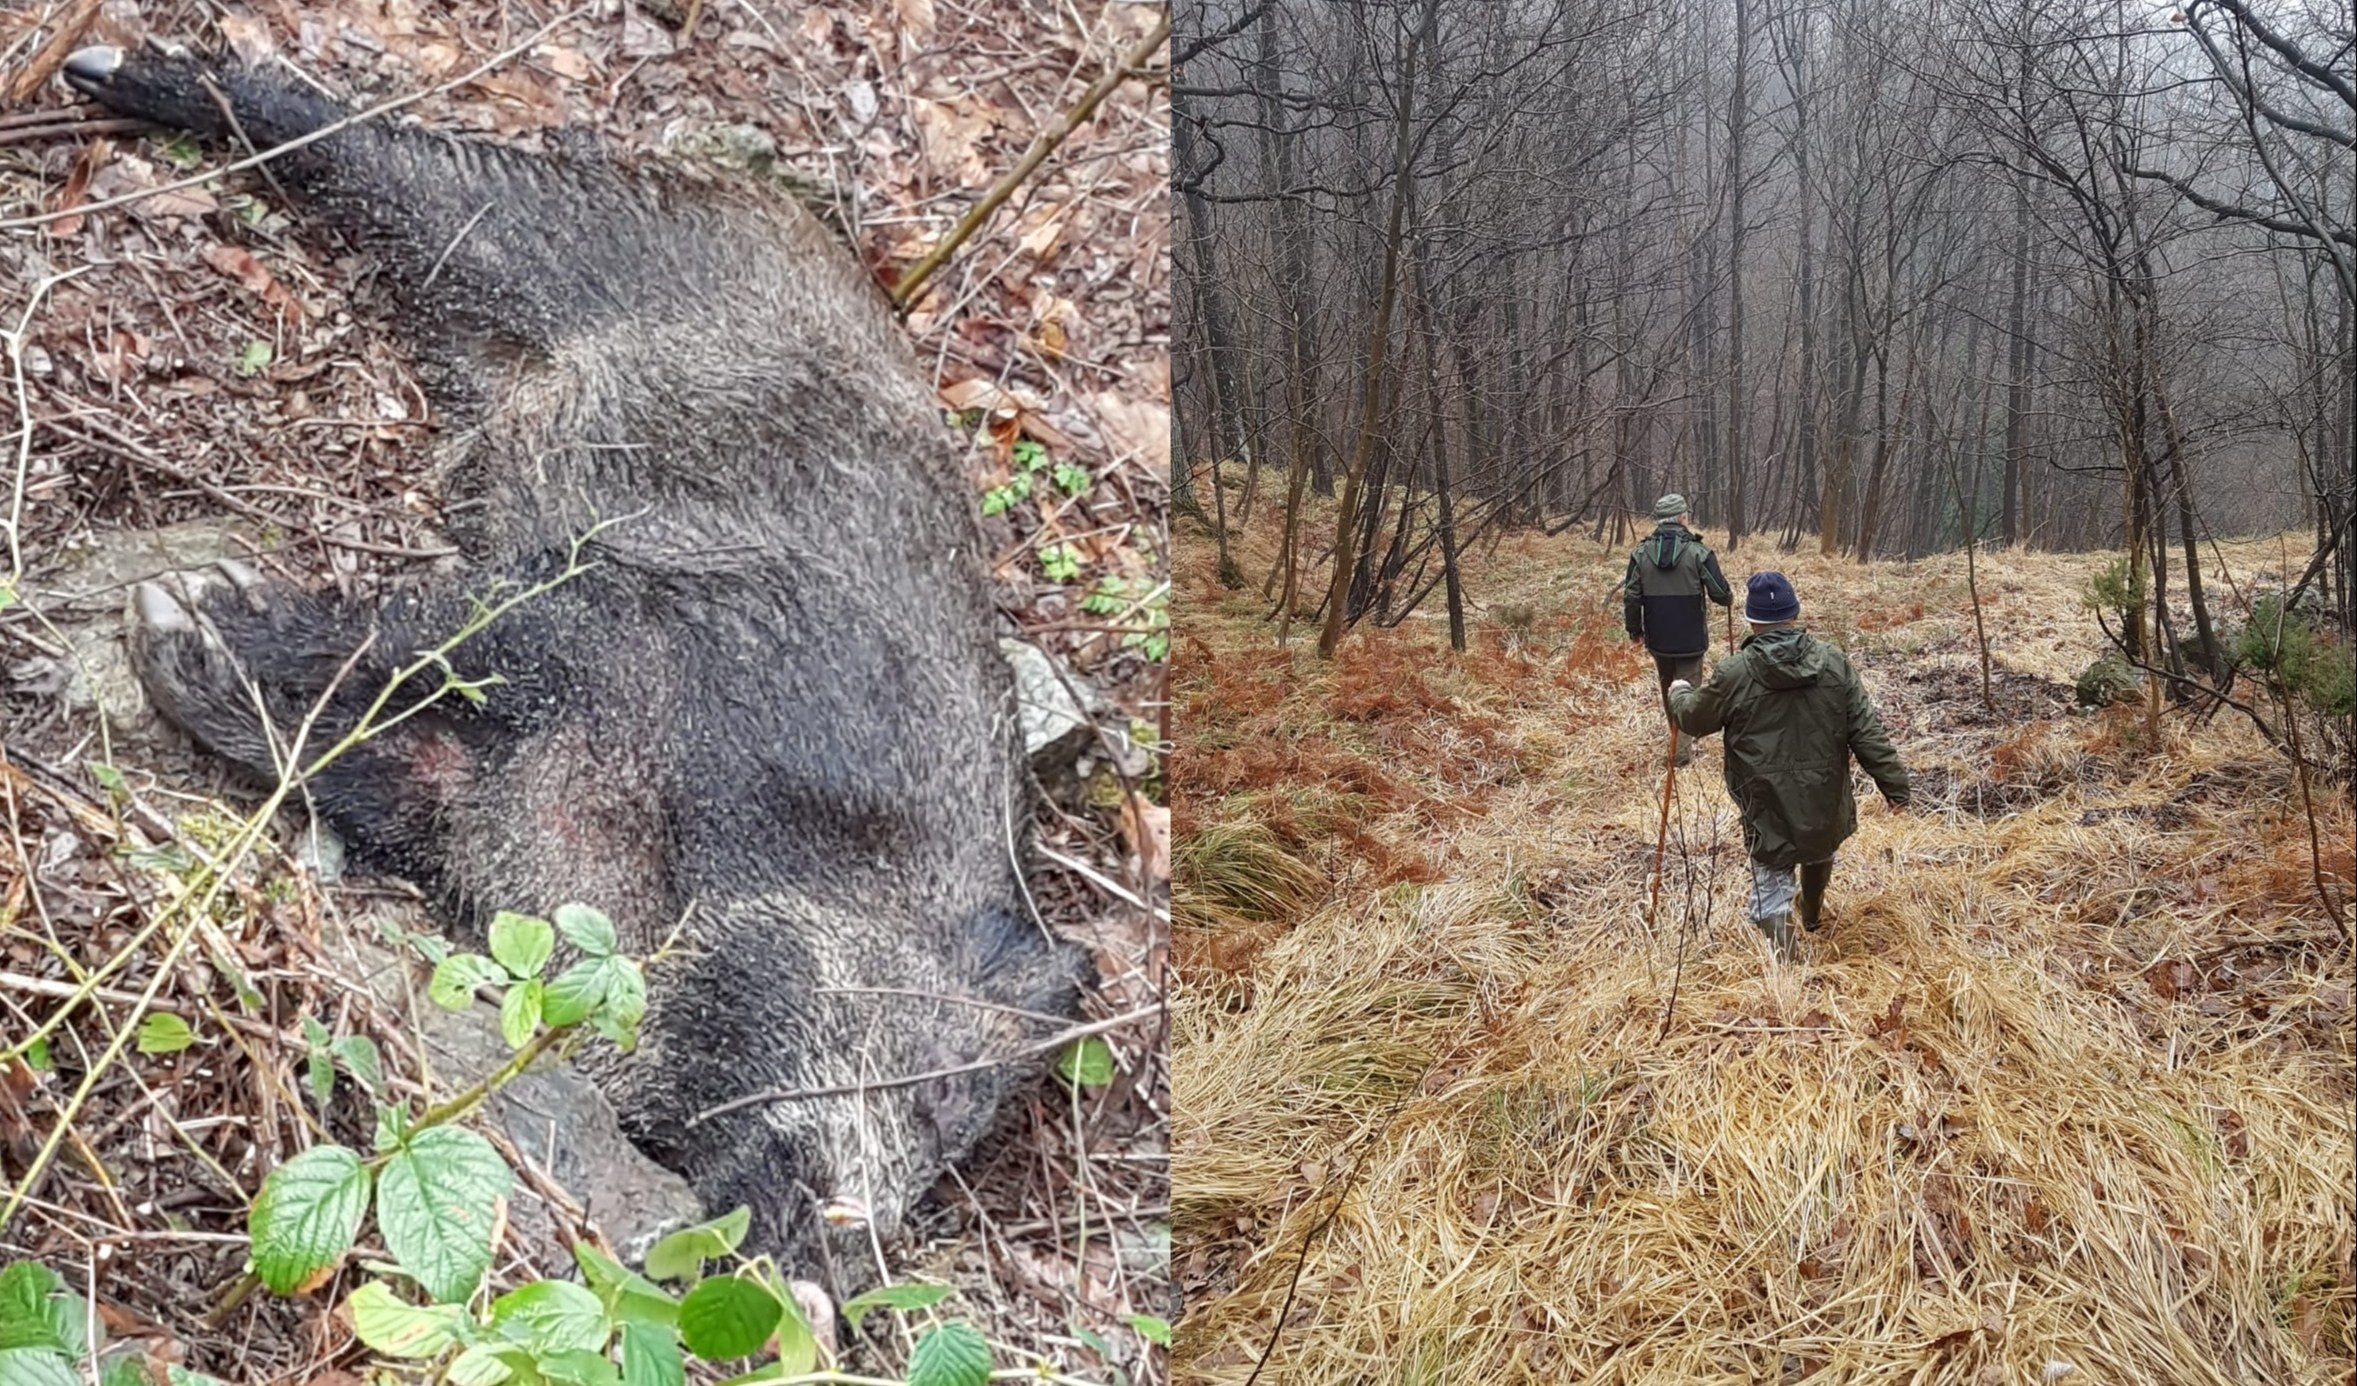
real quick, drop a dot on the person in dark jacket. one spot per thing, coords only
(1794, 713)
(1661, 599)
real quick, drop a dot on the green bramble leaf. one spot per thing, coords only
(588, 929)
(307, 1216)
(1152, 1329)
(552, 1316)
(26, 1366)
(625, 1003)
(650, 1356)
(459, 976)
(725, 1318)
(436, 1203)
(519, 1013)
(358, 1054)
(479, 1365)
(164, 1033)
(521, 943)
(681, 1255)
(576, 994)
(901, 1297)
(255, 358)
(953, 1354)
(396, 1329)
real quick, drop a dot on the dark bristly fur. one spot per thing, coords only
(773, 706)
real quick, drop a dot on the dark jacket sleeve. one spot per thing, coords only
(1701, 711)
(1632, 601)
(1714, 583)
(1872, 747)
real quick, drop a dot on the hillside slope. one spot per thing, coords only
(2062, 1092)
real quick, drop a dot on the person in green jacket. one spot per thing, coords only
(1661, 599)
(1794, 712)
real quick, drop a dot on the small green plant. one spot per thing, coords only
(1061, 562)
(2301, 654)
(436, 1186)
(47, 1333)
(1139, 605)
(255, 358)
(1029, 458)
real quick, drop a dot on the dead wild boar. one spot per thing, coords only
(770, 703)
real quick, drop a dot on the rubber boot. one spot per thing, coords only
(1781, 936)
(1814, 877)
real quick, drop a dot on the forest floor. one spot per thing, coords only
(194, 368)
(2062, 1091)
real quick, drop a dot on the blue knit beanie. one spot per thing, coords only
(1769, 598)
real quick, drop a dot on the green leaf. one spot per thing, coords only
(628, 1296)
(436, 1204)
(457, 977)
(176, 1375)
(109, 778)
(1152, 1329)
(521, 943)
(307, 1216)
(404, 1330)
(552, 1316)
(951, 1355)
(581, 1368)
(361, 1060)
(1029, 454)
(392, 1126)
(25, 1288)
(38, 1057)
(797, 1346)
(255, 358)
(164, 1033)
(681, 1256)
(1087, 1063)
(1073, 480)
(576, 994)
(726, 1318)
(478, 1366)
(124, 1369)
(519, 1013)
(26, 1366)
(894, 1297)
(587, 929)
(625, 1003)
(319, 1076)
(651, 1357)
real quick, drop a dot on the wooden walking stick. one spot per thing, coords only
(1660, 848)
(1730, 627)
(1662, 838)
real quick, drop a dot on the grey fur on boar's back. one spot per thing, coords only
(772, 706)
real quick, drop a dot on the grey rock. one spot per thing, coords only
(552, 1112)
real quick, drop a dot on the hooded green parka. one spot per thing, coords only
(1794, 712)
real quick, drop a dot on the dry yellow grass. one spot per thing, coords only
(2062, 1093)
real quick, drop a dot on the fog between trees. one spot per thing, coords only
(1863, 275)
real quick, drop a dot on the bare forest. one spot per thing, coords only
(1877, 278)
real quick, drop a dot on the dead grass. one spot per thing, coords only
(2062, 1093)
